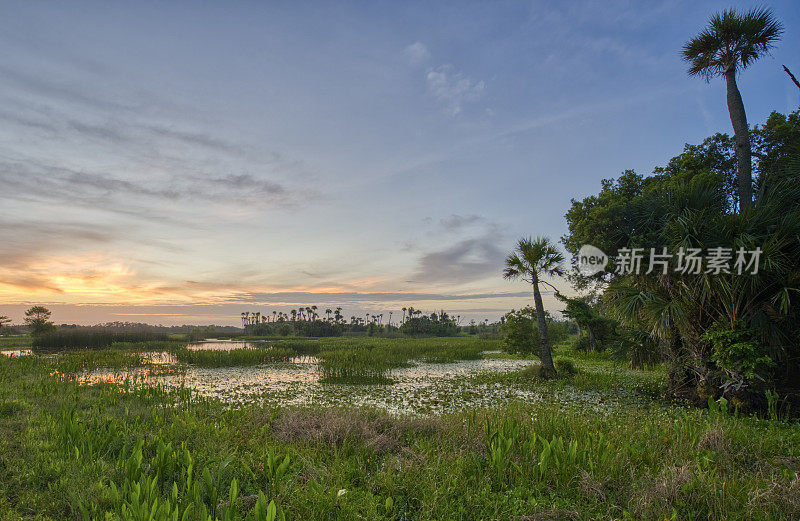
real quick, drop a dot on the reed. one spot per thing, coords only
(67, 339)
(234, 357)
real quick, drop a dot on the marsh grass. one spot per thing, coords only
(89, 359)
(368, 360)
(12, 341)
(234, 357)
(68, 338)
(73, 452)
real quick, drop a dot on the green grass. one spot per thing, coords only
(370, 360)
(67, 449)
(14, 341)
(234, 357)
(68, 338)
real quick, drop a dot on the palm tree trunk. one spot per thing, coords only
(744, 178)
(548, 368)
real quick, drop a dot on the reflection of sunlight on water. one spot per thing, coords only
(158, 358)
(425, 387)
(219, 345)
(15, 352)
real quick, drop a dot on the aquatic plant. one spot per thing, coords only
(234, 357)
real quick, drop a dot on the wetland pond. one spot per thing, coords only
(422, 388)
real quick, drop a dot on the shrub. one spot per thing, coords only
(520, 331)
(565, 365)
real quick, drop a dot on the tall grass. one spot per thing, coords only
(71, 452)
(368, 360)
(13, 341)
(66, 339)
(358, 365)
(234, 357)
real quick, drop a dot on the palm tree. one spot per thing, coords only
(531, 260)
(731, 42)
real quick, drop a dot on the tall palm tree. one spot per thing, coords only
(730, 43)
(531, 260)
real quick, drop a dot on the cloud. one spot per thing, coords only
(66, 93)
(457, 222)
(464, 261)
(37, 181)
(340, 297)
(417, 53)
(453, 88)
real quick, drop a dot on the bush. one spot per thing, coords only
(581, 344)
(565, 365)
(520, 331)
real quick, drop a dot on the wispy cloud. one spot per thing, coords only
(453, 88)
(457, 222)
(417, 53)
(465, 261)
(45, 182)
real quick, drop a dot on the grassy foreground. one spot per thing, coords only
(70, 452)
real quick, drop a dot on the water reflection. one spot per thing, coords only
(423, 388)
(15, 352)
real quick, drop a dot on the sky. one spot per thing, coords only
(182, 162)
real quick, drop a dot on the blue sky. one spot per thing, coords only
(182, 162)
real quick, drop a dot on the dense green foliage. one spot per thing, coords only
(521, 332)
(688, 204)
(435, 324)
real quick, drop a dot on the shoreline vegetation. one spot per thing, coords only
(79, 452)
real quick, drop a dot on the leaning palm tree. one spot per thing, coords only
(531, 260)
(731, 42)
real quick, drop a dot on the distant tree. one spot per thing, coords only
(37, 319)
(531, 260)
(731, 42)
(3, 321)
